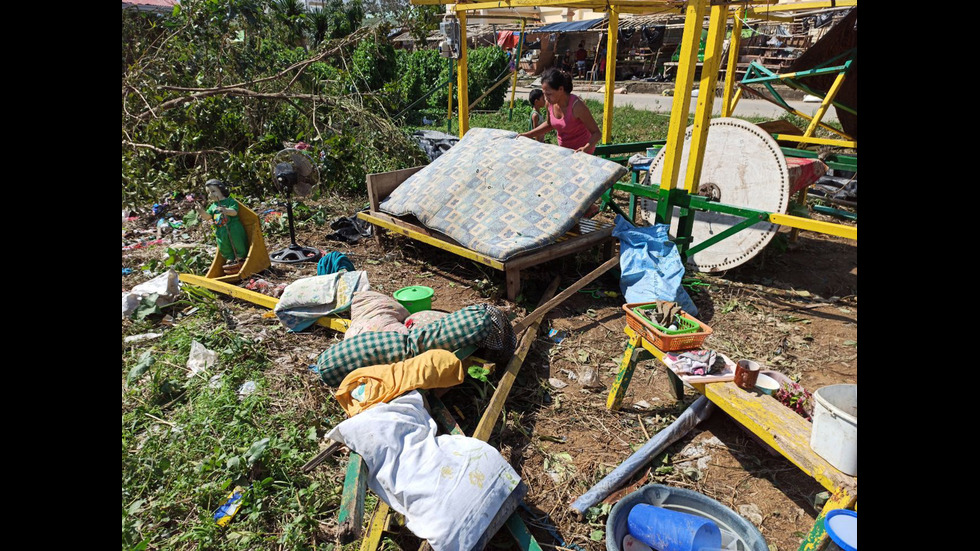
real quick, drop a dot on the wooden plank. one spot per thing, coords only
(419, 233)
(381, 184)
(817, 538)
(515, 525)
(543, 309)
(489, 419)
(351, 515)
(330, 322)
(565, 245)
(780, 428)
(380, 522)
(625, 375)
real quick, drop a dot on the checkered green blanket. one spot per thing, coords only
(465, 327)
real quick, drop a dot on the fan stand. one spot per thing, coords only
(294, 253)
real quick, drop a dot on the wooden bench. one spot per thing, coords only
(776, 425)
(587, 234)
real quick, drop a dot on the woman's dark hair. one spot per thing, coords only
(556, 78)
(534, 96)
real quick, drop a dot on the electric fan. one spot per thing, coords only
(294, 174)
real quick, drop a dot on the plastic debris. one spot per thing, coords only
(200, 359)
(247, 388)
(215, 381)
(556, 335)
(142, 337)
(166, 286)
(557, 383)
(226, 512)
(589, 378)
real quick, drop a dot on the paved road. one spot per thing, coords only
(662, 104)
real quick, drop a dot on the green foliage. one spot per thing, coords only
(274, 55)
(485, 66)
(374, 63)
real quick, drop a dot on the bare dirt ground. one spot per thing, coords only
(793, 310)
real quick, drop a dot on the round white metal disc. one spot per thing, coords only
(749, 169)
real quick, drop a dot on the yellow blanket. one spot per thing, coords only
(383, 383)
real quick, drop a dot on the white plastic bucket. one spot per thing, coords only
(835, 427)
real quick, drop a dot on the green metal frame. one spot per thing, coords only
(756, 73)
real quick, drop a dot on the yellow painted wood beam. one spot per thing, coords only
(706, 96)
(829, 228)
(817, 538)
(734, 43)
(379, 523)
(612, 44)
(435, 242)
(693, 22)
(462, 84)
(780, 428)
(825, 104)
(799, 6)
(818, 141)
(337, 324)
(517, 61)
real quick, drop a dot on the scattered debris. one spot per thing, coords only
(142, 337)
(247, 388)
(557, 383)
(226, 512)
(200, 359)
(751, 513)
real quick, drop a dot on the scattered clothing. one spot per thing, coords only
(424, 317)
(371, 311)
(650, 264)
(383, 383)
(308, 299)
(696, 362)
(350, 229)
(468, 326)
(664, 313)
(454, 491)
(333, 262)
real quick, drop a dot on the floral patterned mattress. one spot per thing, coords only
(502, 195)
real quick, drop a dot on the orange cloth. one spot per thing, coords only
(431, 369)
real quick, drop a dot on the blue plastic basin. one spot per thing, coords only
(684, 501)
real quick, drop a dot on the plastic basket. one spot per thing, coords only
(684, 325)
(660, 339)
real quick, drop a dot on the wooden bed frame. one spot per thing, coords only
(586, 235)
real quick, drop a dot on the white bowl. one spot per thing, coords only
(766, 384)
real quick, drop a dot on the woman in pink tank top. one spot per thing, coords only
(567, 115)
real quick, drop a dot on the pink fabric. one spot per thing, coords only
(572, 132)
(803, 172)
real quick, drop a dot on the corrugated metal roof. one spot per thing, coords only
(568, 26)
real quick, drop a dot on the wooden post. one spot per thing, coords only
(485, 427)
(734, 44)
(611, 44)
(462, 76)
(687, 63)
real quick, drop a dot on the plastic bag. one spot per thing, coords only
(200, 359)
(651, 266)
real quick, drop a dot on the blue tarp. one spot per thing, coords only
(568, 26)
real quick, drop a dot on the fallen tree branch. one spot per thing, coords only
(170, 151)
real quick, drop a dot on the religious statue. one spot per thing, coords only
(228, 228)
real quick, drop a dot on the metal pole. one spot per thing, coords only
(462, 82)
(517, 62)
(687, 63)
(734, 44)
(611, 44)
(449, 113)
